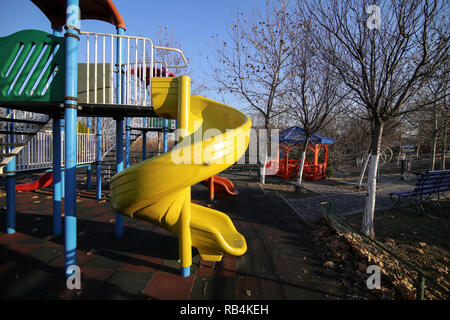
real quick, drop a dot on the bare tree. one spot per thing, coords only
(255, 63)
(384, 53)
(315, 93)
(439, 88)
(167, 37)
(439, 109)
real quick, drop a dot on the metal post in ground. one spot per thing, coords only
(10, 184)
(98, 157)
(184, 235)
(70, 112)
(421, 287)
(166, 136)
(144, 145)
(89, 167)
(56, 154)
(119, 168)
(119, 124)
(127, 142)
(57, 188)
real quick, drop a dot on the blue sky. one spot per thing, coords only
(194, 21)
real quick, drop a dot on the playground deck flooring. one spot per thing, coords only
(283, 260)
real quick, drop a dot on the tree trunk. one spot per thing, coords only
(298, 187)
(369, 211)
(435, 136)
(262, 176)
(363, 170)
(444, 137)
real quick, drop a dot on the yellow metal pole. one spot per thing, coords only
(184, 236)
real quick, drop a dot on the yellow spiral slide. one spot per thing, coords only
(211, 137)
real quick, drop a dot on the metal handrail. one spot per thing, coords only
(126, 86)
(175, 50)
(38, 152)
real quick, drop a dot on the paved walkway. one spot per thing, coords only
(346, 201)
(283, 261)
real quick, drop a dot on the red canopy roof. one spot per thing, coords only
(103, 10)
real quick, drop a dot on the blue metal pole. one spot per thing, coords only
(98, 157)
(144, 145)
(57, 188)
(11, 187)
(63, 174)
(58, 173)
(57, 223)
(119, 168)
(63, 177)
(166, 136)
(127, 141)
(119, 130)
(89, 167)
(70, 112)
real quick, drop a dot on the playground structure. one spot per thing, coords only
(117, 77)
(220, 185)
(386, 155)
(292, 138)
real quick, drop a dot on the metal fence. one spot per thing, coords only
(118, 68)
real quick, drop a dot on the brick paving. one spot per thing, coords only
(283, 260)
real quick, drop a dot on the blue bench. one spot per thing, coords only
(428, 184)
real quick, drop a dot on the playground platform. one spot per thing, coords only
(283, 260)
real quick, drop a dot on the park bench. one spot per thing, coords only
(428, 184)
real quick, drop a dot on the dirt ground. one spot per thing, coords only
(288, 190)
(421, 240)
(342, 183)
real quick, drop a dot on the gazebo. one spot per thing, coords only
(294, 137)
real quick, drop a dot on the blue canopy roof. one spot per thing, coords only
(297, 135)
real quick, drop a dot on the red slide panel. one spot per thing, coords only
(42, 182)
(222, 186)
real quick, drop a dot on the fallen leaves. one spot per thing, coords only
(90, 252)
(390, 242)
(422, 244)
(400, 279)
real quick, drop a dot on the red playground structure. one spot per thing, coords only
(293, 138)
(220, 185)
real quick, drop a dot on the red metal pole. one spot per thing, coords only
(211, 188)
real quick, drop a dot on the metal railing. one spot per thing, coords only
(152, 123)
(38, 152)
(107, 83)
(108, 144)
(128, 84)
